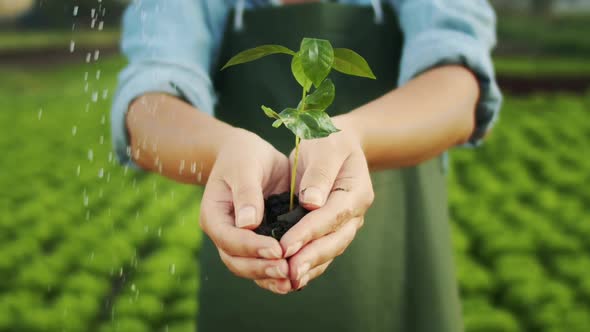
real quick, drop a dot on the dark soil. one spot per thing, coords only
(277, 219)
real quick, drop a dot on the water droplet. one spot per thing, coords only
(105, 93)
(40, 114)
(90, 154)
(160, 231)
(96, 55)
(121, 272)
(100, 25)
(95, 96)
(86, 200)
(92, 256)
(110, 158)
(74, 130)
(194, 167)
(75, 12)
(72, 46)
(172, 268)
(88, 57)
(101, 140)
(103, 119)
(133, 288)
(181, 167)
(98, 75)
(78, 170)
(92, 12)
(85, 76)
(86, 86)
(92, 23)
(100, 173)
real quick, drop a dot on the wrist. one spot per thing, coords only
(228, 138)
(349, 125)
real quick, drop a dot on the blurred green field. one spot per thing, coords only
(530, 67)
(34, 40)
(88, 245)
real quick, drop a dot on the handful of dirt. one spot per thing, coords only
(277, 218)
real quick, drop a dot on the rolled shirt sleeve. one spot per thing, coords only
(170, 47)
(439, 32)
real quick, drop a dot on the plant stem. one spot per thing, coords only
(294, 171)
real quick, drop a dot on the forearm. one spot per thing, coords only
(174, 139)
(418, 121)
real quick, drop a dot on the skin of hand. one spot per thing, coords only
(333, 172)
(334, 183)
(237, 167)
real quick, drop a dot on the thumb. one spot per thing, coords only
(248, 199)
(316, 183)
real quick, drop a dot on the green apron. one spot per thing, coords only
(397, 275)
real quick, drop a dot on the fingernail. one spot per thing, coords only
(303, 268)
(275, 289)
(275, 272)
(246, 217)
(304, 281)
(292, 249)
(313, 195)
(269, 253)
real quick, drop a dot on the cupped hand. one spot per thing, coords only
(335, 184)
(247, 169)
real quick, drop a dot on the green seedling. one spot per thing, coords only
(310, 66)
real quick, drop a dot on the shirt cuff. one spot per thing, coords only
(429, 50)
(189, 84)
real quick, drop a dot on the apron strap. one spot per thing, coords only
(378, 8)
(241, 6)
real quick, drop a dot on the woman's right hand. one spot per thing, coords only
(246, 169)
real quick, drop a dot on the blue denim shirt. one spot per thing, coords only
(172, 45)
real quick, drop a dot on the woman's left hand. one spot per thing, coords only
(335, 184)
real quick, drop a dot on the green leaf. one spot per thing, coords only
(298, 73)
(321, 98)
(317, 57)
(308, 124)
(256, 53)
(277, 123)
(349, 62)
(269, 112)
